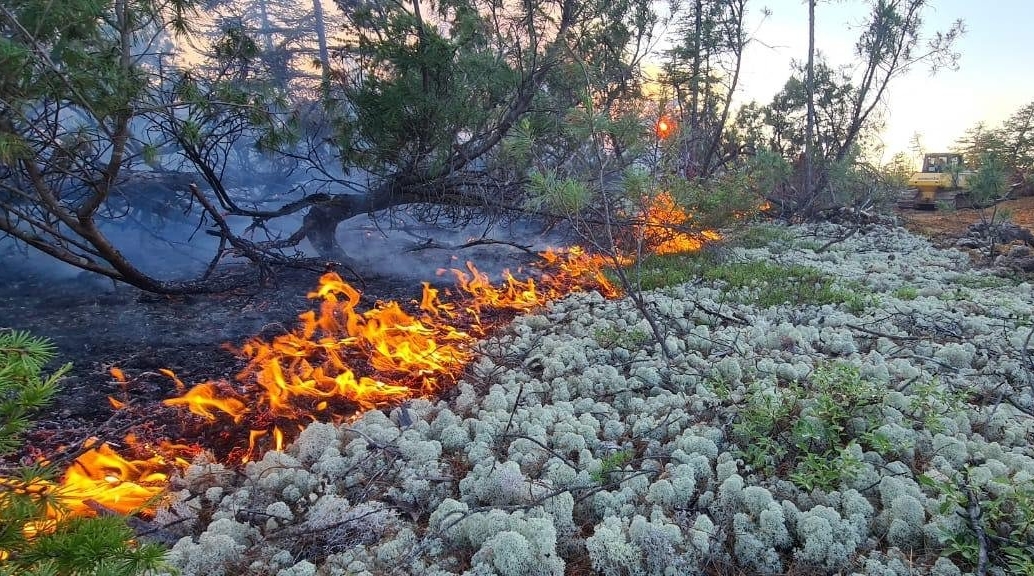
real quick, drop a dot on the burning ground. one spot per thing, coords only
(570, 445)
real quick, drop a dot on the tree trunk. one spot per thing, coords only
(321, 38)
(693, 130)
(809, 129)
(321, 221)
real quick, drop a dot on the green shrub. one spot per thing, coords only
(659, 271)
(1003, 510)
(804, 427)
(906, 293)
(774, 284)
(63, 545)
(985, 281)
(611, 464)
(762, 235)
(630, 340)
(767, 283)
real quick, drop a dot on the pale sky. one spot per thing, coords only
(995, 76)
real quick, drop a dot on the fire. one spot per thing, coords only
(102, 476)
(379, 356)
(514, 294)
(204, 401)
(663, 219)
(340, 359)
(574, 264)
(99, 479)
(664, 128)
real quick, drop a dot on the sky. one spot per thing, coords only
(995, 76)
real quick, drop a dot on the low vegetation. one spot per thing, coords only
(763, 283)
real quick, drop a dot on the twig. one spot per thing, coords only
(881, 334)
(727, 318)
(974, 512)
(430, 243)
(837, 240)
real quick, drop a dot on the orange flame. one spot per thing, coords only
(663, 219)
(204, 398)
(102, 476)
(99, 479)
(383, 355)
(664, 128)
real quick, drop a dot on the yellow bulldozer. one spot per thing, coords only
(942, 181)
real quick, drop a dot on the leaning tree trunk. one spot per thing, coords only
(321, 221)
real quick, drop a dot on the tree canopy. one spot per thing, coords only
(471, 108)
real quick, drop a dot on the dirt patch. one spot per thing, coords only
(944, 227)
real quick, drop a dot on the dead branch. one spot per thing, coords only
(881, 334)
(431, 243)
(975, 514)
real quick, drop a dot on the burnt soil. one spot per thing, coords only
(96, 325)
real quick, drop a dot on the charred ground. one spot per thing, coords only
(96, 325)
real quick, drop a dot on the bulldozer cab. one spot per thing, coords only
(942, 162)
(942, 180)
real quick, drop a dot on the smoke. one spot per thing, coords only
(396, 243)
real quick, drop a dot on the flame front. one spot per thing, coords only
(380, 356)
(337, 354)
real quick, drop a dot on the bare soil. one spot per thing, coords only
(944, 227)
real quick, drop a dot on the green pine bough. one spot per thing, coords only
(35, 538)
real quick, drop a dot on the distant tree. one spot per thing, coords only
(916, 147)
(291, 39)
(987, 187)
(899, 170)
(977, 144)
(892, 43)
(703, 72)
(748, 133)
(786, 116)
(1017, 138)
(1011, 144)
